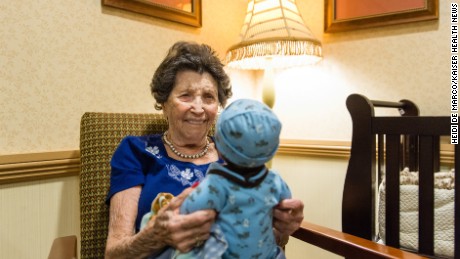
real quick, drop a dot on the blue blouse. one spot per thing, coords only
(143, 160)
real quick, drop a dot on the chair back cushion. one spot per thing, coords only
(100, 134)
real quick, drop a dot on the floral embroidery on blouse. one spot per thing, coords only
(184, 176)
(154, 151)
(187, 174)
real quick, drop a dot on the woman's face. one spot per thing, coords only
(192, 106)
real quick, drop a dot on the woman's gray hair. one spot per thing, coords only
(189, 56)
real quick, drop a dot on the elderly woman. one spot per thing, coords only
(189, 86)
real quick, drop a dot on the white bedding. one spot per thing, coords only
(444, 212)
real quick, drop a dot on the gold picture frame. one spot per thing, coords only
(182, 11)
(347, 15)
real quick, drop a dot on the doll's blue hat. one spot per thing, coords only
(247, 133)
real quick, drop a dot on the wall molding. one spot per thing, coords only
(37, 166)
(319, 148)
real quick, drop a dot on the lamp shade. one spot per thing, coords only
(274, 35)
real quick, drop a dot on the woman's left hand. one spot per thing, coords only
(287, 217)
(183, 232)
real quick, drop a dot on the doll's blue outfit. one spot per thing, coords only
(243, 192)
(245, 212)
(247, 136)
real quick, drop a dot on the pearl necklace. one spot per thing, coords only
(179, 154)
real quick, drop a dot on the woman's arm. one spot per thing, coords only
(168, 228)
(287, 217)
(122, 241)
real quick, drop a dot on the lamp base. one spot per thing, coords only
(268, 92)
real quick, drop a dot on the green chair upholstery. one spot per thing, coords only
(100, 134)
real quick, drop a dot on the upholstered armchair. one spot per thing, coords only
(100, 134)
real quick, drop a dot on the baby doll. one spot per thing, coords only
(243, 191)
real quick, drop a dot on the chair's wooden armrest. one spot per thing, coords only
(64, 248)
(347, 245)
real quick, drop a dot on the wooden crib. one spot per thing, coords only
(382, 146)
(383, 149)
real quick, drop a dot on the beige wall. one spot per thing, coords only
(34, 213)
(405, 61)
(319, 183)
(62, 59)
(59, 59)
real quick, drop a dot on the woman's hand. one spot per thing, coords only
(183, 232)
(168, 228)
(287, 217)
